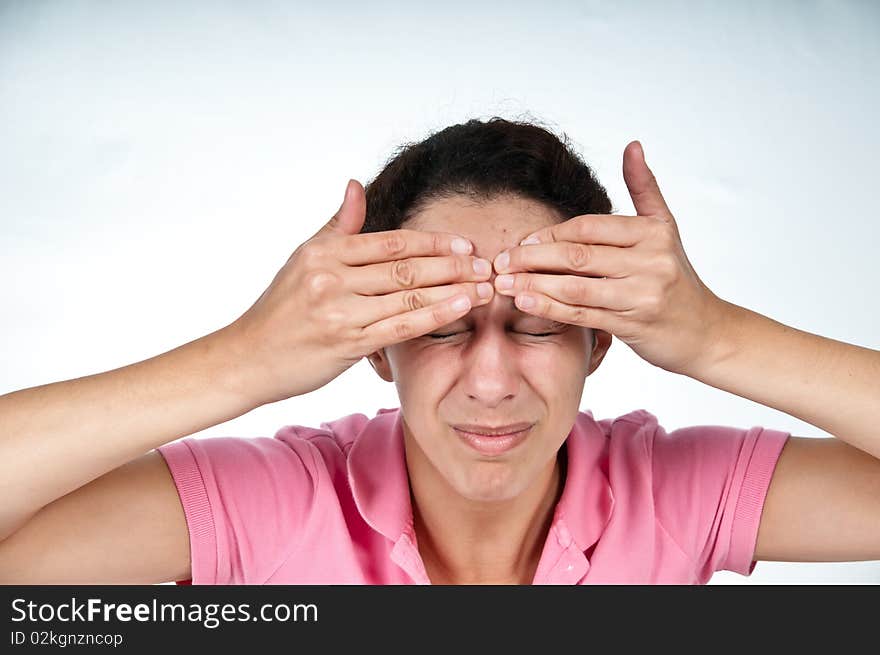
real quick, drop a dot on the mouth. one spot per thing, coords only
(493, 441)
(489, 431)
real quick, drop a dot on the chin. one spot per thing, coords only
(490, 482)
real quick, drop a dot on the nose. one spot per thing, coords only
(490, 371)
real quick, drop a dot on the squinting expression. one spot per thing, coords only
(497, 365)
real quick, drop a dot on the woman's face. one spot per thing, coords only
(491, 372)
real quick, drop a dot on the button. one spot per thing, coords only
(563, 535)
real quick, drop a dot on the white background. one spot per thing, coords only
(159, 162)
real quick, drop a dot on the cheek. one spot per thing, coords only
(558, 375)
(421, 375)
(555, 376)
(417, 365)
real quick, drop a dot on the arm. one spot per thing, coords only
(322, 313)
(830, 384)
(823, 503)
(59, 437)
(631, 278)
(125, 527)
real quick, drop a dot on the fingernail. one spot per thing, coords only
(461, 246)
(482, 267)
(346, 195)
(528, 241)
(501, 261)
(484, 289)
(504, 281)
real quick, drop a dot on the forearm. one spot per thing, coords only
(57, 437)
(830, 384)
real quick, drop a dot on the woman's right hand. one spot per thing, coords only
(343, 295)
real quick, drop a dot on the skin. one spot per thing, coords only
(479, 519)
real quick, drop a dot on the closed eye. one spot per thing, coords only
(531, 334)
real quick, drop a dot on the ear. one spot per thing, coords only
(379, 361)
(603, 343)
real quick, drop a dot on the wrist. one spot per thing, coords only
(723, 336)
(228, 357)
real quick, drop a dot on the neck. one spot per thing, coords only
(462, 541)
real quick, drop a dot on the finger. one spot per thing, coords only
(553, 310)
(349, 218)
(375, 279)
(604, 229)
(412, 324)
(569, 257)
(642, 185)
(372, 247)
(568, 289)
(377, 308)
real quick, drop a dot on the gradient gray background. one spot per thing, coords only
(159, 162)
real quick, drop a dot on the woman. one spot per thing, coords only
(487, 473)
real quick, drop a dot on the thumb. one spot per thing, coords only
(643, 188)
(349, 218)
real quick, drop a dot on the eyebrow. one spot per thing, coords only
(553, 325)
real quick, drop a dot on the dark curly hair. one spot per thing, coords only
(483, 160)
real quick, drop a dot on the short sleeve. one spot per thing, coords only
(246, 502)
(709, 486)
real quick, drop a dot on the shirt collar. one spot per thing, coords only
(587, 501)
(378, 477)
(380, 485)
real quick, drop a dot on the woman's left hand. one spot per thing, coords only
(626, 275)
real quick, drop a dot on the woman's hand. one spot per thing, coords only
(343, 295)
(626, 275)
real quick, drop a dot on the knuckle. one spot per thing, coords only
(403, 330)
(393, 243)
(319, 284)
(579, 316)
(578, 255)
(437, 243)
(667, 267)
(402, 272)
(653, 303)
(413, 300)
(335, 321)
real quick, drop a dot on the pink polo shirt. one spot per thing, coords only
(331, 505)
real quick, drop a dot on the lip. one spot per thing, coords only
(490, 431)
(495, 444)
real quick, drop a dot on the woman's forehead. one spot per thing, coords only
(491, 225)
